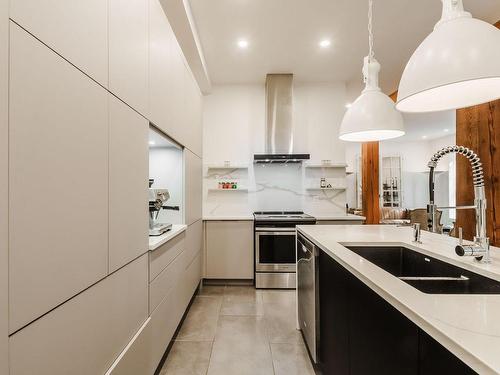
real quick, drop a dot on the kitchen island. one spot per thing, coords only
(467, 326)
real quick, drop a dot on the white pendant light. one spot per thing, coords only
(373, 115)
(456, 66)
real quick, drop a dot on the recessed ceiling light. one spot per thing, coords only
(424, 137)
(242, 43)
(446, 130)
(325, 43)
(152, 143)
(348, 105)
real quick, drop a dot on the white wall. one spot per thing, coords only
(166, 167)
(415, 172)
(234, 129)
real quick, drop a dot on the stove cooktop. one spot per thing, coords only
(296, 216)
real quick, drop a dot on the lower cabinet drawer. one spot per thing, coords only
(165, 281)
(144, 352)
(194, 240)
(165, 254)
(87, 333)
(136, 358)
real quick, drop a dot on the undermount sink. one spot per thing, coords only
(427, 274)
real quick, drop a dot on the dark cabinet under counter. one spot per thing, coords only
(362, 334)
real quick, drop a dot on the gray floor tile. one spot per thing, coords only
(281, 324)
(285, 297)
(241, 347)
(253, 333)
(242, 300)
(188, 358)
(201, 322)
(211, 290)
(289, 359)
(242, 291)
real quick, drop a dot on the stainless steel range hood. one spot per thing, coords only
(279, 122)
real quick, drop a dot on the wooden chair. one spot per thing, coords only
(419, 215)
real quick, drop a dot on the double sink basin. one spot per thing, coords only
(427, 274)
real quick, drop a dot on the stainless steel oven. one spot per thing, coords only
(275, 248)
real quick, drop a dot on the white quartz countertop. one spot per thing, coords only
(227, 217)
(468, 325)
(156, 241)
(329, 217)
(337, 217)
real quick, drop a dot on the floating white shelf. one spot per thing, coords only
(326, 165)
(227, 166)
(243, 190)
(321, 189)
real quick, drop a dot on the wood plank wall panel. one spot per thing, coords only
(370, 182)
(478, 128)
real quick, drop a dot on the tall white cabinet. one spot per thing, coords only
(86, 80)
(58, 180)
(128, 184)
(128, 52)
(76, 30)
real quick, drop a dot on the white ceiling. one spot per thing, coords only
(428, 126)
(283, 36)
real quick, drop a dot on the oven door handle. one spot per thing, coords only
(287, 233)
(275, 230)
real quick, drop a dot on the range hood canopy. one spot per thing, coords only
(280, 158)
(279, 121)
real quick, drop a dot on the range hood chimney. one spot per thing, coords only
(279, 121)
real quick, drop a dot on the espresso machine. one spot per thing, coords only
(157, 199)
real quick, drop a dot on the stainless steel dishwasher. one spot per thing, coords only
(307, 294)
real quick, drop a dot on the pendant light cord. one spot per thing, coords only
(371, 53)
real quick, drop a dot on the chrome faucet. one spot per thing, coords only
(416, 233)
(480, 249)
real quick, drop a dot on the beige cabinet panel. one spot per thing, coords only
(229, 249)
(194, 240)
(192, 186)
(193, 127)
(164, 322)
(58, 187)
(128, 184)
(191, 280)
(77, 30)
(166, 280)
(137, 358)
(161, 72)
(165, 254)
(128, 52)
(86, 334)
(4, 178)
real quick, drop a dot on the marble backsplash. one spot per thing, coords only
(269, 187)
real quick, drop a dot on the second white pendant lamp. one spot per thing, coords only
(456, 66)
(373, 115)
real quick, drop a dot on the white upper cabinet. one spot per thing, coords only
(58, 180)
(193, 187)
(128, 184)
(161, 69)
(193, 113)
(175, 101)
(75, 29)
(128, 52)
